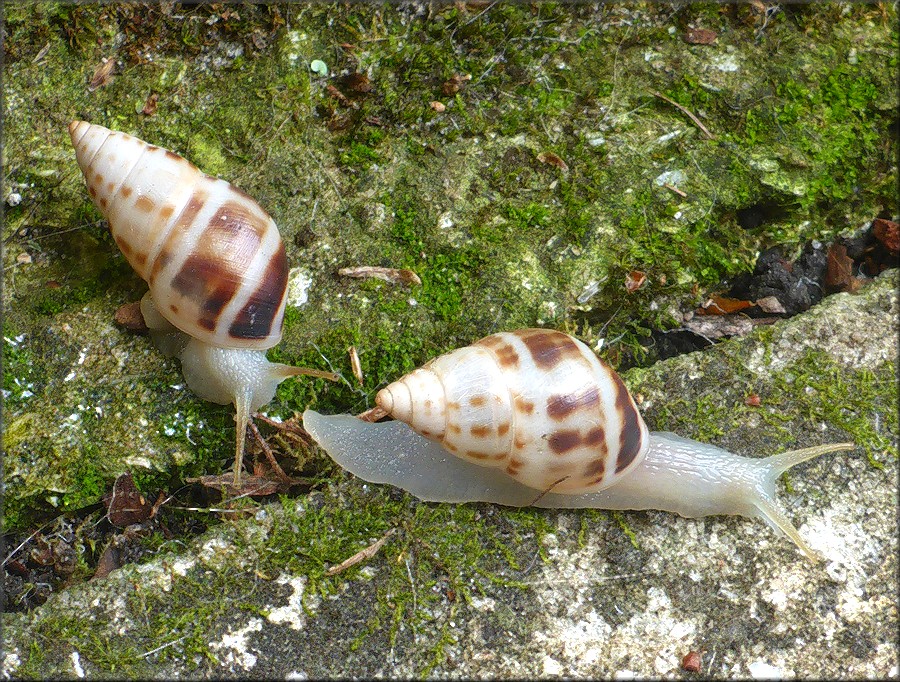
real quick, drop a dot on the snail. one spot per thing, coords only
(213, 259)
(533, 417)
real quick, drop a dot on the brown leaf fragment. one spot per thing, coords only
(334, 93)
(392, 275)
(357, 82)
(362, 554)
(130, 317)
(634, 280)
(552, 159)
(771, 305)
(103, 74)
(455, 83)
(717, 326)
(700, 36)
(108, 562)
(150, 105)
(17, 567)
(125, 505)
(888, 233)
(752, 400)
(839, 270)
(350, 47)
(722, 305)
(691, 662)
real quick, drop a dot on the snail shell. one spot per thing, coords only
(214, 261)
(212, 256)
(535, 403)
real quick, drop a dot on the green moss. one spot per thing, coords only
(524, 237)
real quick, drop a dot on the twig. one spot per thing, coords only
(25, 542)
(412, 586)
(268, 451)
(366, 553)
(688, 113)
(552, 486)
(673, 188)
(160, 648)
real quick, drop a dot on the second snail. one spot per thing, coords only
(533, 417)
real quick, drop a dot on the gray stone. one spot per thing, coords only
(574, 596)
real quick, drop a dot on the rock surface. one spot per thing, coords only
(578, 598)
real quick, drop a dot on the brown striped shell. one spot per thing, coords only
(212, 256)
(536, 403)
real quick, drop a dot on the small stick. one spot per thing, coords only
(552, 486)
(355, 364)
(366, 553)
(673, 188)
(689, 114)
(269, 454)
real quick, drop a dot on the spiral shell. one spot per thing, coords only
(212, 256)
(536, 403)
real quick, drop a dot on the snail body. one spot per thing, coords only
(533, 417)
(212, 257)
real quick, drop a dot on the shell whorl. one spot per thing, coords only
(536, 403)
(212, 256)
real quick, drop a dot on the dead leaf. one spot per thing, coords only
(839, 270)
(634, 280)
(334, 93)
(699, 36)
(350, 47)
(888, 233)
(125, 505)
(358, 82)
(23, 258)
(150, 105)
(722, 305)
(552, 159)
(392, 275)
(130, 317)
(771, 305)
(103, 74)
(455, 83)
(752, 400)
(438, 106)
(108, 562)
